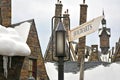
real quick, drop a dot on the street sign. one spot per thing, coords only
(85, 28)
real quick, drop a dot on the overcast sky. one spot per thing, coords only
(43, 10)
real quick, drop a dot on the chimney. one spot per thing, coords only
(5, 12)
(66, 21)
(82, 40)
(58, 12)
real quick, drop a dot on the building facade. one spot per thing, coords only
(104, 34)
(22, 68)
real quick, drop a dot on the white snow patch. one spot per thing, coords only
(11, 44)
(23, 30)
(110, 72)
(108, 32)
(51, 70)
(104, 73)
(100, 32)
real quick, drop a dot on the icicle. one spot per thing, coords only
(5, 62)
(10, 61)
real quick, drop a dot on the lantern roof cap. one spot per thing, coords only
(60, 27)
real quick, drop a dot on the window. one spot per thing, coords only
(94, 49)
(32, 67)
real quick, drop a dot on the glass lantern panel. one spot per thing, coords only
(60, 43)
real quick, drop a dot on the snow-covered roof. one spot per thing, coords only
(98, 73)
(9, 37)
(23, 30)
(73, 66)
(100, 32)
(107, 30)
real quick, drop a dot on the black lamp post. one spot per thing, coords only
(60, 38)
(60, 44)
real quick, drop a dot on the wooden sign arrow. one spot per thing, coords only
(85, 28)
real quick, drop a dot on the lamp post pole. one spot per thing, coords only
(60, 37)
(60, 69)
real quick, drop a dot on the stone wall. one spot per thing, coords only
(33, 42)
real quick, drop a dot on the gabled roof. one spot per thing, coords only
(30, 35)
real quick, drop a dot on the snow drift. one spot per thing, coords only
(11, 44)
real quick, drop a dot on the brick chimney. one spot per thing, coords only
(5, 12)
(82, 40)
